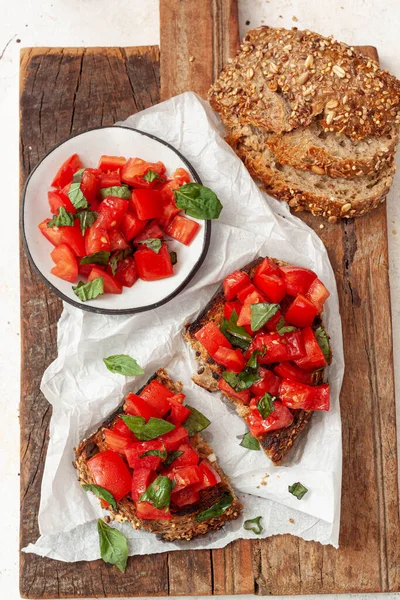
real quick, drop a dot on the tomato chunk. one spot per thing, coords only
(137, 406)
(131, 226)
(273, 322)
(151, 231)
(301, 312)
(134, 455)
(145, 510)
(126, 272)
(245, 292)
(182, 229)
(141, 480)
(111, 285)
(66, 172)
(169, 208)
(211, 338)
(234, 283)
(147, 204)
(297, 279)
(123, 429)
(111, 212)
(280, 418)
(272, 286)
(58, 199)
(245, 314)
(116, 441)
(175, 438)
(210, 475)
(269, 382)
(233, 360)
(110, 179)
(89, 185)
(185, 496)
(184, 476)
(189, 457)
(244, 396)
(157, 395)
(267, 267)
(109, 471)
(299, 395)
(53, 234)
(179, 413)
(72, 236)
(229, 307)
(288, 370)
(277, 348)
(117, 240)
(314, 358)
(66, 264)
(111, 163)
(317, 294)
(135, 170)
(151, 265)
(96, 240)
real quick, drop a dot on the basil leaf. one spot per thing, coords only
(266, 405)
(113, 546)
(298, 490)
(217, 509)
(161, 453)
(77, 178)
(86, 219)
(171, 457)
(97, 258)
(151, 176)
(286, 329)
(253, 525)
(323, 341)
(117, 191)
(198, 201)
(100, 492)
(154, 244)
(241, 381)
(123, 365)
(195, 422)
(62, 219)
(174, 257)
(261, 313)
(90, 290)
(250, 442)
(117, 257)
(147, 431)
(236, 334)
(159, 492)
(76, 195)
(252, 363)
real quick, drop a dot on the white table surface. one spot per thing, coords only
(133, 23)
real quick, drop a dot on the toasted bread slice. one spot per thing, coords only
(276, 444)
(183, 525)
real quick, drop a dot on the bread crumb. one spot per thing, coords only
(295, 19)
(264, 479)
(191, 58)
(321, 226)
(291, 520)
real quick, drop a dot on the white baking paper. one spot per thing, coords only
(82, 392)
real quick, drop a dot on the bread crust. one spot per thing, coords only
(183, 525)
(276, 444)
(282, 79)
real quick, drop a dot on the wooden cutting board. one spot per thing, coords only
(67, 90)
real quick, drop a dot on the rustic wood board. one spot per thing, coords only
(65, 91)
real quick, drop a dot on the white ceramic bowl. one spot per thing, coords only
(90, 145)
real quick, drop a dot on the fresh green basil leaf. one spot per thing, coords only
(123, 365)
(265, 405)
(174, 257)
(253, 525)
(217, 509)
(151, 176)
(236, 334)
(298, 490)
(159, 492)
(198, 201)
(323, 341)
(62, 219)
(171, 457)
(100, 492)
(195, 422)
(90, 290)
(286, 329)
(76, 195)
(117, 191)
(261, 313)
(113, 546)
(252, 363)
(97, 258)
(117, 257)
(242, 381)
(147, 431)
(77, 178)
(154, 244)
(86, 219)
(250, 442)
(161, 453)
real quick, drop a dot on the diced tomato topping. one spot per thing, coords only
(126, 272)
(317, 294)
(185, 476)
(109, 471)
(314, 358)
(169, 208)
(272, 323)
(123, 429)
(245, 292)
(244, 396)
(234, 283)
(131, 226)
(110, 179)
(135, 169)
(111, 212)
(117, 240)
(245, 314)
(145, 510)
(157, 395)
(116, 441)
(299, 395)
(269, 382)
(189, 457)
(179, 413)
(181, 176)
(111, 163)
(229, 307)
(58, 199)
(66, 264)
(111, 285)
(141, 480)
(151, 265)
(280, 418)
(182, 229)
(134, 455)
(138, 407)
(96, 240)
(66, 172)
(150, 232)
(233, 360)
(211, 338)
(175, 438)
(89, 185)
(277, 348)
(71, 236)
(301, 312)
(298, 279)
(272, 286)
(147, 204)
(288, 370)
(185, 496)
(53, 234)
(210, 475)
(267, 267)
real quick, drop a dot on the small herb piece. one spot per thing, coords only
(266, 405)
(281, 328)
(159, 492)
(298, 490)
(323, 341)
(86, 219)
(241, 381)
(217, 509)
(100, 492)
(90, 290)
(76, 195)
(62, 219)
(171, 457)
(195, 422)
(174, 257)
(236, 334)
(250, 442)
(151, 176)
(123, 365)
(117, 257)
(198, 201)
(161, 453)
(261, 313)
(147, 431)
(97, 258)
(77, 178)
(117, 191)
(253, 525)
(252, 363)
(113, 546)
(154, 244)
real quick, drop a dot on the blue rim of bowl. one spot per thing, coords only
(117, 311)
